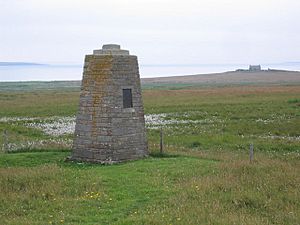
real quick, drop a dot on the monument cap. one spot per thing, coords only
(111, 49)
(111, 46)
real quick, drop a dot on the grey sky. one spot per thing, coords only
(158, 31)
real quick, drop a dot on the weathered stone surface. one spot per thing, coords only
(105, 131)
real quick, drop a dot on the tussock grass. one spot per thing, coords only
(50, 103)
(236, 192)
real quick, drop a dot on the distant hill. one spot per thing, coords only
(227, 78)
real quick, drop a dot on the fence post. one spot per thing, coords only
(161, 141)
(5, 141)
(251, 152)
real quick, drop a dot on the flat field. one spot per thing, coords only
(264, 77)
(203, 177)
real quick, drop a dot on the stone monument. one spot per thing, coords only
(110, 124)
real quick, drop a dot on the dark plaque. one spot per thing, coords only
(127, 98)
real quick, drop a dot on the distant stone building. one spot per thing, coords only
(110, 125)
(253, 68)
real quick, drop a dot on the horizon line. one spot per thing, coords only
(22, 63)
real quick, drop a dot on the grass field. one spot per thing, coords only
(204, 177)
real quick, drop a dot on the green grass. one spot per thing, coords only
(39, 187)
(31, 159)
(50, 103)
(204, 176)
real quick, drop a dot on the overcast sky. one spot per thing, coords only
(158, 31)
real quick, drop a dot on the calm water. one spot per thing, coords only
(40, 72)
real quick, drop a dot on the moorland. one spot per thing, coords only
(203, 177)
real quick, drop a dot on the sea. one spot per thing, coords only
(46, 72)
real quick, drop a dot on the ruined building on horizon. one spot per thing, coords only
(110, 124)
(254, 68)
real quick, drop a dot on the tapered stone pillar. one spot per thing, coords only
(110, 125)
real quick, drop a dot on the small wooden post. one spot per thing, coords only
(5, 141)
(251, 153)
(161, 141)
